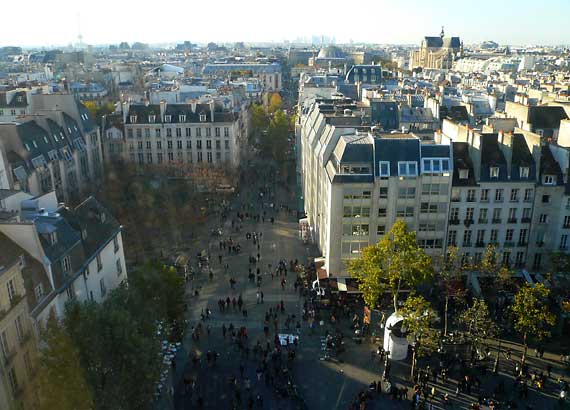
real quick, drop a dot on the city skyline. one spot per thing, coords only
(390, 23)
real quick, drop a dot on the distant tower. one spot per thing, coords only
(79, 35)
(442, 34)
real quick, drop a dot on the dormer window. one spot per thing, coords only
(167, 118)
(384, 168)
(524, 171)
(181, 118)
(53, 238)
(84, 234)
(151, 118)
(463, 173)
(202, 117)
(133, 119)
(494, 172)
(548, 180)
(407, 169)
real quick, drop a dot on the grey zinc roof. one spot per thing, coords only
(354, 148)
(395, 150)
(435, 151)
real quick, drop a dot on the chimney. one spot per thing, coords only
(193, 106)
(212, 110)
(125, 110)
(162, 109)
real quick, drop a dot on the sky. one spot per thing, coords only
(58, 22)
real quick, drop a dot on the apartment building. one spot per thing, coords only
(80, 250)
(183, 133)
(56, 147)
(357, 182)
(17, 344)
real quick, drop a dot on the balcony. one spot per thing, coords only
(480, 244)
(455, 199)
(454, 221)
(483, 221)
(471, 199)
(563, 247)
(468, 222)
(512, 220)
(565, 226)
(530, 200)
(528, 220)
(508, 244)
(496, 221)
(522, 243)
(484, 200)
(467, 244)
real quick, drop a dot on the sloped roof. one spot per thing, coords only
(462, 160)
(546, 116)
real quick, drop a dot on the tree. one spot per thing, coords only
(449, 274)
(275, 102)
(489, 265)
(61, 379)
(276, 141)
(259, 118)
(119, 350)
(532, 315)
(560, 262)
(477, 322)
(392, 263)
(419, 322)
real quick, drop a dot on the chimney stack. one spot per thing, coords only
(162, 109)
(212, 110)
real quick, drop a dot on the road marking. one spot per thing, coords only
(340, 392)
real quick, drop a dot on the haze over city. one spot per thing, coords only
(518, 22)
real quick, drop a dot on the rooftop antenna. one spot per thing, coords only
(442, 34)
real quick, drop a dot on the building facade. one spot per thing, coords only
(437, 53)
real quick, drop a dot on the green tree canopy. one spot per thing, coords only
(419, 321)
(259, 117)
(394, 262)
(61, 378)
(477, 322)
(531, 312)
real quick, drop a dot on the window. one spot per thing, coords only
(522, 236)
(381, 230)
(452, 238)
(13, 380)
(179, 144)
(480, 236)
(70, 291)
(537, 261)
(227, 144)
(383, 192)
(119, 267)
(467, 237)
(494, 172)
(169, 132)
(39, 292)
(169, 144)
(4, 344)
(407, 193)
(381, 212)
(435, 165)
(526, 214)
(66, 264)
(148, 145)
(11, 290)
(208, 132)
(433, 189)
(430, 243)
(226, 132)
(498, 195)
(19, 328)
(471, 195)
(188, 144)
(497, 215)
(454, 216)
(171, 156)
(202, 117)
(455, 195)
(141, 158)
(545, 199)
(524, 172)
(209, 157)
(199, 144)
(139, 145)
(469, 212)
(199, 157)
(483, 215)
(129, 133)
(427, 227)
(147, 132)
(151, 118)
(509, 235)
(159, 158)
(384, 168)
(103, 287)
(99, 263)
(512, 215)
(218, 144)
(28, 363)
(543, 218)
(167, 118)
(484, 195)
(198, 132)
(217, 131)
(139, 132)
(182, 118)
(566, 221)
(178, 132)
(157, 133)
(133, 119)
(405, 212)
(208, 144)
(548, 180)
(159, 144)
(528, 194)
(564, 242)
(116, 244)
(407, 169)
(494, 235)
(463, 174)
(514, 195)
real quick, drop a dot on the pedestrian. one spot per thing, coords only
(261, 293)
(224, 330)
(257, 297)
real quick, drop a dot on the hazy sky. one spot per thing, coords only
(55, 22)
